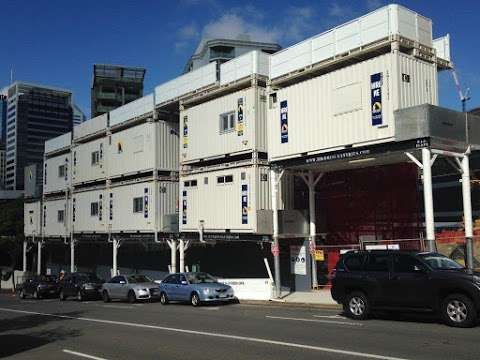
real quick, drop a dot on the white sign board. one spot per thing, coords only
(250, 289)
(298, 260)
(383, 247)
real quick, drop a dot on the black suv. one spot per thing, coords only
(81, 286)
(413, 281)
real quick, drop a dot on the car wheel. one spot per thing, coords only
(105, 296)
(36, 295)
(195, 299)
(458, 311)
(79, 295)
(62, 296)
(131, 297)
(357, 306)
(21, 294)
(163, 298)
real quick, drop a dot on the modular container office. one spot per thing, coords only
(93, 127)
(90, 211)
(56, 175)
(349, 107)
(228, 199)
(89, 164)
(56, 217)
(32, 212)
(137, 109)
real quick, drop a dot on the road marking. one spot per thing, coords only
(315, 320)
(117, 306)
(216, 335)
(330, 317)
(211, 308)
(82, 355)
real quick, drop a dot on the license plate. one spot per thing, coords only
(52, 291)
(223, 296)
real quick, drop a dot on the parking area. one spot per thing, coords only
(118, 330)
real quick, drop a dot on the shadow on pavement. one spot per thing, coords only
(19, 334)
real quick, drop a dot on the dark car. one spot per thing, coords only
(39, 286)
(414, 281)
(81, 285)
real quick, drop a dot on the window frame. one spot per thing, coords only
(137, 201)
(61, 219)
(62, 170)
(231, 122)
(95, 158)
(94, 208)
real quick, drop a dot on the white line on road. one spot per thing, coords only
(315, 320)
(82, 355)
(330, 317)
(211, 308)
(217, 335)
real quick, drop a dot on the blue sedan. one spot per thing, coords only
(194, 287)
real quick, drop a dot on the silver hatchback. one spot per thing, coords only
(131, 288)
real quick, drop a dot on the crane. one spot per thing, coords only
(464, 95)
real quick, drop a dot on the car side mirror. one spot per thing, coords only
(419, 269)
(184, 282)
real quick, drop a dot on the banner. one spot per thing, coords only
(376, 98)
(284, 122)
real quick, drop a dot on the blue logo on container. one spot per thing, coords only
(244, 204)
(284, 122)
(184, 208)
(376, 98)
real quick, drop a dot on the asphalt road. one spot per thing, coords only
(50, 329)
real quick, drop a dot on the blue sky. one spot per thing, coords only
(56, 42)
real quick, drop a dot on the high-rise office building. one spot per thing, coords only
(3, 114)
(78, 115)
(35, 113)
(2, 166)
(114, 86)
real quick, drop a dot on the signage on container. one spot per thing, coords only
(319, 255)
(100, 207)
(240, 117)
(145, 201)
(244, 204)
(376, 98)
(298, 260)
(185, 132)
(184, 207)
(284, 121)
(73, 209)
(111, 206)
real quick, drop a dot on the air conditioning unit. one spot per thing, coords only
(293, 222)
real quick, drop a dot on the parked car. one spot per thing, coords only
(38, 287)
(194, 287)
(412, 281)
(81, 285)
(131, 288)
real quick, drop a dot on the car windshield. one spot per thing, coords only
(89, 277)
(440, 262)
(133, 279)
(200, 278)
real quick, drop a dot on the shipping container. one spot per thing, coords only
(380, 25)
(32, 215)
(185, 84)
(143, 207)
(348, 107)
(90, 211)
(236, 200)
(134, 150)
(56, 217)
(91, 127)
(234, 123)
(241, 67)
(59, 143)
(89, 163)
(57, 173)
(142, 107)
(442, 47)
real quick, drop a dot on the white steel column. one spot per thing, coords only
(114, 261)
(428, 199)
(72, 255)
(173, 255)
(39, 257)
(181, 250)
(274, 180)
(467, 210)
(312, 182)
(24, 268)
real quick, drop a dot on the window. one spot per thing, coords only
(224, 179)
(117, 279)
(94, 209)
(406, 264)
(205, 181)
(377, 262)
(62, 169)
(61, 216)
(190, 183)
(95, 158)
(227, 122)
(229, 178)
(137, 204)
(354, 262)
(220, 179)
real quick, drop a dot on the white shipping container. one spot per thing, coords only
(350, 106)
(187, 83)
(57, 173)
(133, 150)
(89, 161)
(58, 143)
(32, 215)
(141, 207)
(90, 211)
(442, 47)
(90, 127)
(55, 218)
(234, 123)
(253, 62)
(132, 110)
(234, 199)
(380, 24)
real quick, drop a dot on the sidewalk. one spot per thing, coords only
(314, 299)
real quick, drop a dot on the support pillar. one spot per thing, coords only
(311, 183)
(72, 255)
(181, 250)
(428, 199)
(467, 210)
(24, 268)
(39, 257)
(115, 246)
(274, 180)
(173, 255)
